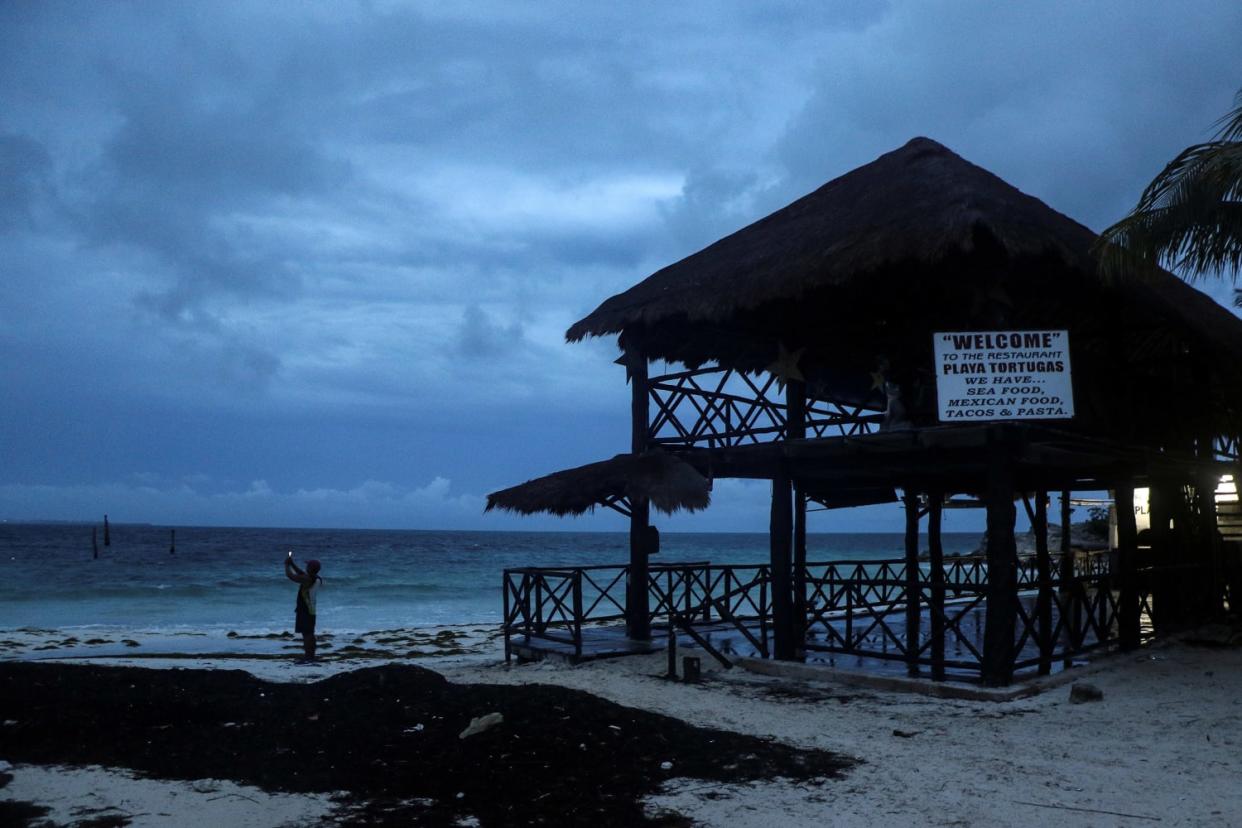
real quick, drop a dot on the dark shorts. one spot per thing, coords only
(305, 623)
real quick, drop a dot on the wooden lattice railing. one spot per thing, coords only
(859, 609)
(855, 608)
(554, 604)
(722, 407)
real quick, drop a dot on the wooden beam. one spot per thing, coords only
(1002, 590)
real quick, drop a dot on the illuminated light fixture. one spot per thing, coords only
(1226, 490)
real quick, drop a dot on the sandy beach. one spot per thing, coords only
(243, 739)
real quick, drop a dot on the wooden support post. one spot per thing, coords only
(637, 609)
(795, 429)
(1164, 601)
(935, 554)
(1002, 591)
(781, 530)
(914, 609)
(1127, 551)
(1043, 564)
(1209, 546)
(799, 573)
(1069, 593)
(1067, 551)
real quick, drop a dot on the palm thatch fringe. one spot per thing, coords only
(669, 483)
(914, 205)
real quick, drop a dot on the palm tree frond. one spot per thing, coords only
(1229, 127)
(1189, 218)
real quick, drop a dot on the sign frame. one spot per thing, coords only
(1003, 375)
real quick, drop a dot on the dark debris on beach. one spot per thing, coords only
(387, 738)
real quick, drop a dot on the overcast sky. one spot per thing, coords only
(312, 264)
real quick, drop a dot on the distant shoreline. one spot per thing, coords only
(122, 524)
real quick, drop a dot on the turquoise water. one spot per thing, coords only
(232, 579)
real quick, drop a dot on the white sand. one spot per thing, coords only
(75, 794)
(1163, 747)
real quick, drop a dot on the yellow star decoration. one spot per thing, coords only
(786, 366)
(878, 376)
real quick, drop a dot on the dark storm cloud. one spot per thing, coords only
(482, 336)
(1079, 104)
(25, 167)
(316, 260)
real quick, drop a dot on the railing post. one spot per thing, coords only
(504, 586)
(707, 594)
(539, 626)
(672, 647)
(849, 612)
(687, 586)
(763, 609)
(577, 603)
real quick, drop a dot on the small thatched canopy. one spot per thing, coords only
(667, 482)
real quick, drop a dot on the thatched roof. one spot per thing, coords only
(669, 483)
(914, 207)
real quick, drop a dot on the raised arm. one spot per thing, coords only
(292, 572)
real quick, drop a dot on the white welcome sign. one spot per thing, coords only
(1003, 375)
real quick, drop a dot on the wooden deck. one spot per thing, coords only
(601, 641)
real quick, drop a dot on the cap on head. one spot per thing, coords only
(312, 567)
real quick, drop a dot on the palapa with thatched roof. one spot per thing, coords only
(859, 273)
(834, 299)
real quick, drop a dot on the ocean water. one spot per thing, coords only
(232, 579)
